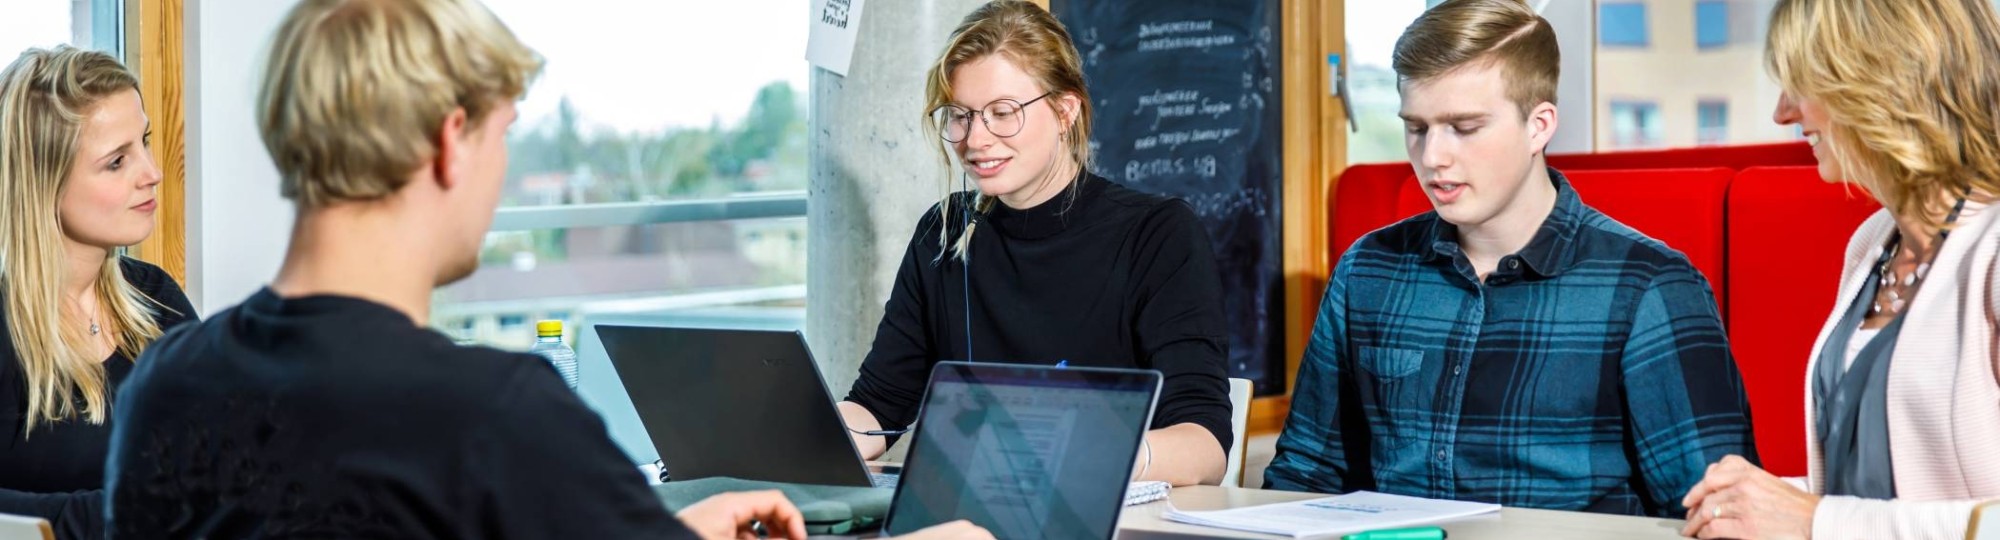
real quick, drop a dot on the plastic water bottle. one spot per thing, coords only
(549, 344)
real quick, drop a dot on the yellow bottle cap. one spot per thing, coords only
(548, 328)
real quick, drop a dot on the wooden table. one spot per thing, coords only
(1509, 524)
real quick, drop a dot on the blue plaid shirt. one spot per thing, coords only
(1589, 372)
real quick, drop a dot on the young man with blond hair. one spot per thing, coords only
(321, 407)
(1513, 346)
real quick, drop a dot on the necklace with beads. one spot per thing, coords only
(1897, 292)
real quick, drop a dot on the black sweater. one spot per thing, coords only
(57, 472)
(334, 417)
(1107, 277)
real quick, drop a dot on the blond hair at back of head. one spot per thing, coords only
(356, 90)
(1910, 89)
(1033, 40)
(45, 97)
(1462, 34)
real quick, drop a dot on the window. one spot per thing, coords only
(665, 198)
(1635, 124)
(90, 24)
(1711, 122)
(1711, 24)
(1372, 29)
(512, 320)
(1679, 92)
(1662, 85)
(1622, 24)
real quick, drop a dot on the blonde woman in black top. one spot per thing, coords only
(77, 182)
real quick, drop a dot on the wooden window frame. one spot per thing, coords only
(156, 50)
(1315, 152)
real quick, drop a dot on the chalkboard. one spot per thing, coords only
(1187, 104)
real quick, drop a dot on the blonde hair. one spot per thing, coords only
(1462, 33)
(1034, 41)
(45, 95)
(1909, 88)
(356, 90)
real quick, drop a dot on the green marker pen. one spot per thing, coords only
(1417, 533)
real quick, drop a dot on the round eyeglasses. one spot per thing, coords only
(1003, 118)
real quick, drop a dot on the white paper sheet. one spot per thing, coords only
(835, 24)
(1339, 514)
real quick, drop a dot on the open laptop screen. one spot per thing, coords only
(1025, 451)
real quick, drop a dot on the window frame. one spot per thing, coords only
(747, 206)
(154, 47)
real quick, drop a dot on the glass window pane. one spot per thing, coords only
(1711, 23)
(1372, 29)
(28, 24)
(1704, 79)
(1634, 124)
(1622, 25)
(1712, 122)
(633, 106)
(714, 273)
(619, 114)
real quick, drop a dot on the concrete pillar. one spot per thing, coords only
(874, 172)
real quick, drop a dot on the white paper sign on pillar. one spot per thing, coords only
(835, 23)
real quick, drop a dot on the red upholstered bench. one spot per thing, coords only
(1736, 157)
(1364, 200)
(1679, 207)
(1361, 186)
(1769, 239)
(1788, 232)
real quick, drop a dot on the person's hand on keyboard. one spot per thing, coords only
(956, 530)
(733, 516)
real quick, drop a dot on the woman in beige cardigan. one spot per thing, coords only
(1903, 401)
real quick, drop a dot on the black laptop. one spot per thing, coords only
(746, 404)
(1025, 451)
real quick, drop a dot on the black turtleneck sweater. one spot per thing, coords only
(1100, 275)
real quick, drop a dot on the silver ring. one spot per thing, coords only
(1715, 512)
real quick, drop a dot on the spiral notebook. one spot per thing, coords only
(1145, 492)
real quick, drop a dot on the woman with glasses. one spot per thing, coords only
(1042, 262)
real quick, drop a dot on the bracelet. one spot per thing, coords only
(1148, 446)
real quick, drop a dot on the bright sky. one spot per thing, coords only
(643, 65)
(1374, 25)
(633, 65)
(32, 23)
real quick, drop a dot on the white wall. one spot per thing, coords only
(237, 224)
(1575, 22)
